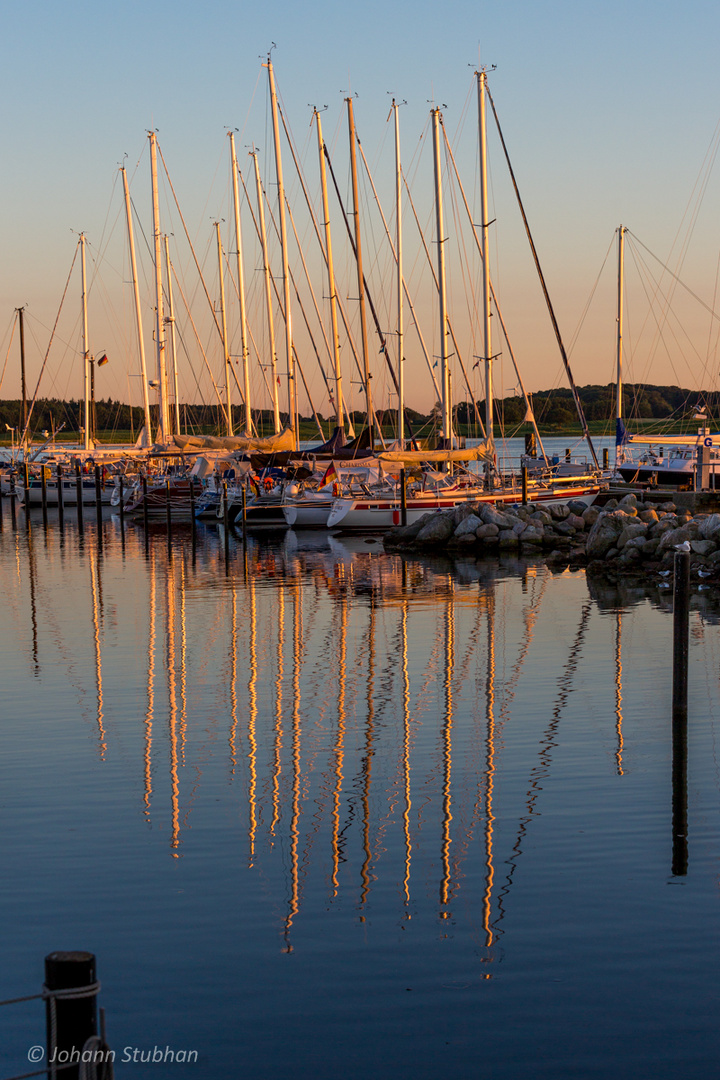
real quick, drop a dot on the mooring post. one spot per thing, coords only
(122, 505)
(13, 508)
(524, 478)
(98, 497)
(168, 511)
(70, 1020)
(226, 523)
(567, 454)
(43, 485)
(61, 497)
(681, 639)
(403, 498)
(606, 458)
(145, 506)
(79, 494)
(243, 492)
(26, 478)
(1, 512)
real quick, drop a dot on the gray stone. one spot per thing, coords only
(487, 532)
(628, 500)
(564, 528)
(577, 506)
(590, 515)
(559, 513)
(532, 534)
(628, 555)
(703, 547)
(541, 517)
(404, 534)
(508, 539)
(491, 516)
(648, 516)
(437, 531)
(611, 504)
(710, 527)
(673, 537)
(668, 507)
(604, 534)
(630, 531)
(649, 548)
(714, 559)
(638, 542)
(577, 522)
(466, 539)
(469, 524)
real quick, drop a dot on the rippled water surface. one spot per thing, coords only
(324, 812)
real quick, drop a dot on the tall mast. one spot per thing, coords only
(358, 259)
(20, 312)
(226, 354)
(241, 288)
(268, 294)
(331, 280)
(398, 215)
(86, 351)
(138, 315)
(171, 323)
(481, 80)
(444, 367)
(163, 418)
(292, 395)
(618, 391)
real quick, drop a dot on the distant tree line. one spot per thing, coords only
(552, 408)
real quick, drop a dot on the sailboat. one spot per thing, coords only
(441, 490)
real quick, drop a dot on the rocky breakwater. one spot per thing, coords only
(625, 536)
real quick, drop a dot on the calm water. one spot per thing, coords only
(333, 813)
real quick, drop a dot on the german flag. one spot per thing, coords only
(254, 487)
(331, 476)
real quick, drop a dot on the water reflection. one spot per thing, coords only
(385, 728)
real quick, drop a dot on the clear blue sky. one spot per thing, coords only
(608, 110)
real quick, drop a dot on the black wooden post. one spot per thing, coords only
(1, 512)
(226, 523)
(43, 484)
(403, 498)
(524, 476)
(567, 454)
(243, 492)
(122, 504)
(681, 638)
(606, 458)
(145, 507)
(98, 496)
(79, 491)
(61, 497)
(70, 1021)
(13, 508)
(168, 511)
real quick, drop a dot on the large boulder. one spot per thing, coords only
(532, 534)
(540, 517)
(508, 538)
(637, 528)
(577, 506)
(703, 547)
(710, 528)
(628, 502)
(559, 513)
(491, 516)
(604, 534)
(576, 521)
(487, 532)
(436, 531)
(590, 515)
(673, 537)
(564, 528)
(468, 525)
(648, 516)
(406, 534)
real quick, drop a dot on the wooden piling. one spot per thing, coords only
(79, 492)
(43, 484)
(403, 498)
(122, 505)
(243, 492)
(681, 617)
(168, 510)
(61, 496)
(145, 508)
(524, 478)
(70, 1021)
(226, 523)
(567, 454)
(13, 508)
(98, 500)
(606, 458)
(681, 641)
(1, 512)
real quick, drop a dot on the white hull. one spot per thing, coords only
(378, 515)
(311, 512)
